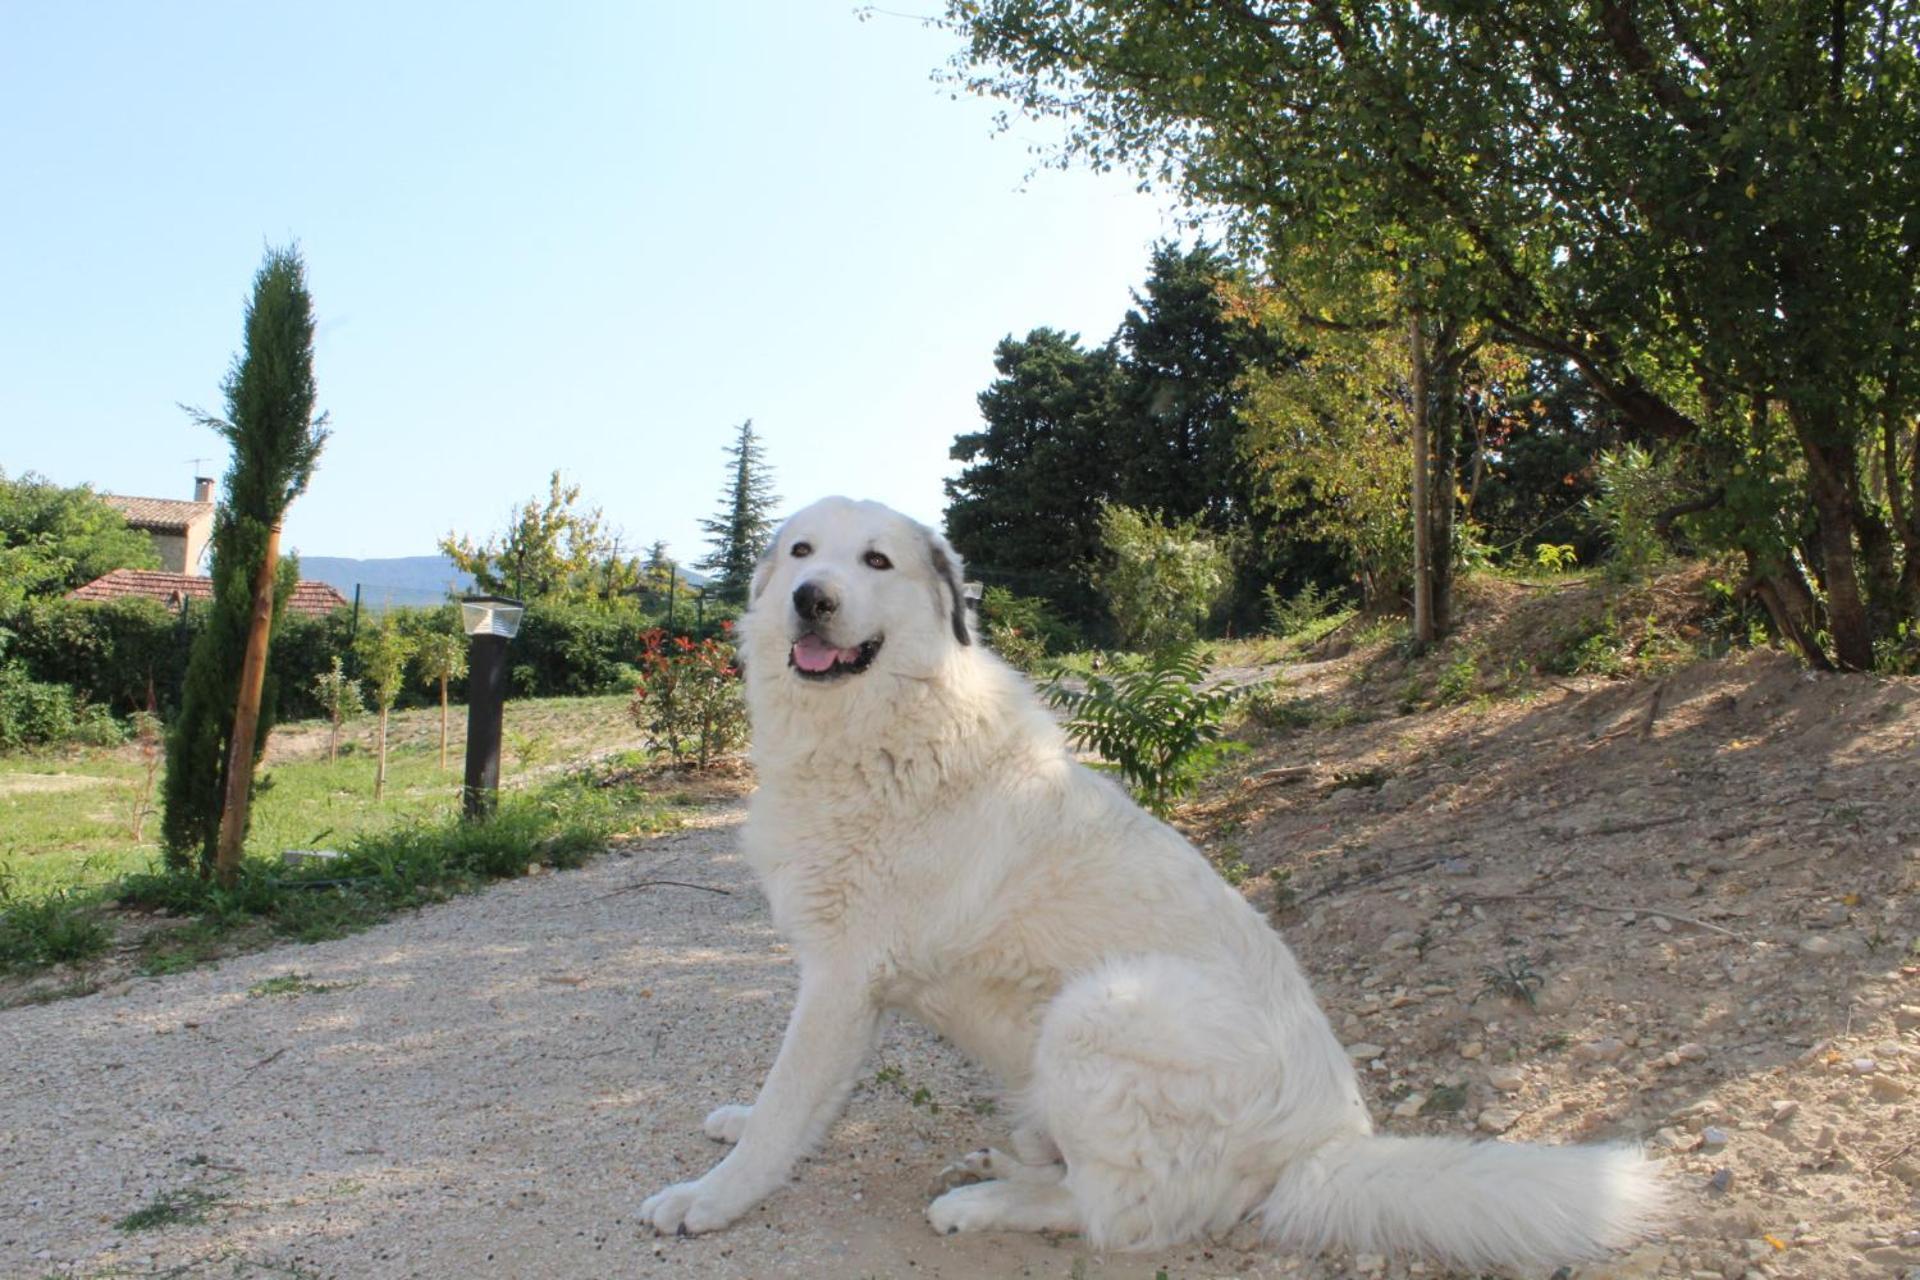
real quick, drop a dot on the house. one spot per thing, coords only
(179, 530)
(175, 589)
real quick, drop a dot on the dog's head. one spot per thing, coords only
(850, 589)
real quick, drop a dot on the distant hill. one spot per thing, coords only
(400, 580)
(408, 581)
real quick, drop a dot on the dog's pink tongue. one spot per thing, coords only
(811, 653)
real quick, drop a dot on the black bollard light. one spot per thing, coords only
(489, 621)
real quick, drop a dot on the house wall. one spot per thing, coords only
(173, 551)
(194, 548)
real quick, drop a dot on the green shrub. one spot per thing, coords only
(1270, 706)
(688, 700)
(59, 928)
(32, 712)
(1288, 615)
(1161, 581)
(1634, 489)
(1022, 629)
(1158, 725)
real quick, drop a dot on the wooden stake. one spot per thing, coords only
(1424, 632)
(246, 717)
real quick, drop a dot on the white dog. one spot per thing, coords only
(929, 845)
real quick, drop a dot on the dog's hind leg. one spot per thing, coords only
(1156, 1077)
(1035, 1166)
(1005, 1206)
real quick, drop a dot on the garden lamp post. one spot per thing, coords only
(489, 621)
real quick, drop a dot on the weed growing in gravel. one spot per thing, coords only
(294, 984)
(1515, 980)
(171, 1209)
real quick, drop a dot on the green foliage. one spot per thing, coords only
(113, 652)
(1148, 419)
(1270, 706)
(384, 652)
(401, 867)
(1556, 557)
(338, 694)
(1591, 646)
(688, 699)
(59, 928)
(1459, 678)
(53, 539)
(1161, 581)
(1706, 210)
(171, 1209)
(554, 550)
(1159, 724)
(1633, 491)
(744, 525)
(440, 657)
(1302, 611)
(32, 712)
(1021, 629)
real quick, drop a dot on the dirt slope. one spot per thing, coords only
(1707, 885)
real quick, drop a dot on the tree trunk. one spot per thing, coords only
(1443, 422)
(443, 724)
(1830, 474)
(1423, 621)
(1789, 602)
(380, 768)
(333, 737)
(246, 717)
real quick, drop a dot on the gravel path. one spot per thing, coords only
(487, 1088)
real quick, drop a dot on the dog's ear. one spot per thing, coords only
(946, 567)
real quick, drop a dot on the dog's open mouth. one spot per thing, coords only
(814, 659)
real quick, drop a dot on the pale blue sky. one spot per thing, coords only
(584, 236)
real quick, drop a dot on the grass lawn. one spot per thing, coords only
(73, 878)
(66, 818)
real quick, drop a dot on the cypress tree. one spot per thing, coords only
(745, 520)
(276, 440)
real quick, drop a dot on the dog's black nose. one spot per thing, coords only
(813, 603)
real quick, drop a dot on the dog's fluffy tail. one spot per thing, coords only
(1476, 1204)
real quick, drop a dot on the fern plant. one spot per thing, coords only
(1158, 725)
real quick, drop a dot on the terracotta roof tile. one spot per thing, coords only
(165, 514)
(172, 588)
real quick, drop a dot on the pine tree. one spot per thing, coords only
(740, 530)
(276, 441)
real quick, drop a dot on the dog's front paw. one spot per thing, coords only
(688, 1208)
(726, 1124)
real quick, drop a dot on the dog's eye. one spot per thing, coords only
(802, 549)
(877, 561)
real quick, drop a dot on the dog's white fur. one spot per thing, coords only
(929, 845)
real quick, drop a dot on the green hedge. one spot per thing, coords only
(110, 653)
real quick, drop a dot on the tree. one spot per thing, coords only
(54, 539)
(384, 653)
(1149, 419)
(1024, 509)
(1161, 580)
(739, 532)
(552, 550)
(340, 698)
(1706, 210)
(442, 659)
(276, 442)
